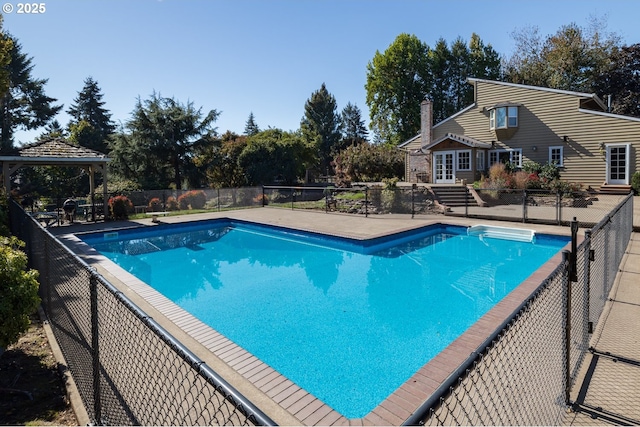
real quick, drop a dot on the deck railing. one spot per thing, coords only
(128, 369)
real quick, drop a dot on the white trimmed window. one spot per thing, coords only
(513, 156)
(556, 155)
(464, 160)
(479, 160)
(503, 118)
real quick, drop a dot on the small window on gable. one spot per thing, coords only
(503, 117)
(556, 156)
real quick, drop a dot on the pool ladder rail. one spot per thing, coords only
(505, 233)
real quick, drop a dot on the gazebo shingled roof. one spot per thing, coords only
(55, 149)
(54, 152)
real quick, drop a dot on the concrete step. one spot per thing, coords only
(615, 189)
(453, 196)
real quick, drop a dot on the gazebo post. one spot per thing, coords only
(55, 152)
(92, 190)
(105, 205)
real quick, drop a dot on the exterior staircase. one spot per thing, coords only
(615, 189)
(453, 196)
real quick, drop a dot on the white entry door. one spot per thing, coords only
(443, 167)
(618, 164)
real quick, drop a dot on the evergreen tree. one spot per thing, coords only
(52, 130)
(440, 61)
(354, 130)
(90, 119)
(321, 125)
(6, 44)
(164, 136)
(25, 105)
(251, 127)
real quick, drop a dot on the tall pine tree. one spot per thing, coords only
(321, 125)
(354, 131)
(6, 44)
(91, 124)
(251, 127)
(25, 105)
(163, 137)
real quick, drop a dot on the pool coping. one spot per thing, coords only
(279, 397)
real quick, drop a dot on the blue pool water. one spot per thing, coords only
(347, 321)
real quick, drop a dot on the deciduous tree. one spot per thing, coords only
(219, 161)
(410, 71)
(570, 59)
(622, 81)
(397, 81)
(275, 156)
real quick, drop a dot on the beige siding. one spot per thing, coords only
(544, 118)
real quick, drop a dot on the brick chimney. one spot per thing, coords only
(426, 122)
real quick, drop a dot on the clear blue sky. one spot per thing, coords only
(263, 56)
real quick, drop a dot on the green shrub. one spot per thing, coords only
(18, 291)
(530, 166)
(635, 183)
(4, 214)
(549, 173)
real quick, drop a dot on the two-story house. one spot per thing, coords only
(515, 123)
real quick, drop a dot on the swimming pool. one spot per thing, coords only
(349, 321)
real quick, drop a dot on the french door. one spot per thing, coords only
(443, 167)
(618, 164)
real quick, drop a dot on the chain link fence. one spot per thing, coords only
(360, 199)
(523, 374)
(532, 206)
(128, 369)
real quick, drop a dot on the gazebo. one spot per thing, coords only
(55, 152)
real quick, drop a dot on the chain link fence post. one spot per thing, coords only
(366, 202)
(95, 348)
(413, 200)
(587, 279)
(566, 290)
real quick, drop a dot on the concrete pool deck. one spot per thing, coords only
(278, 397)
